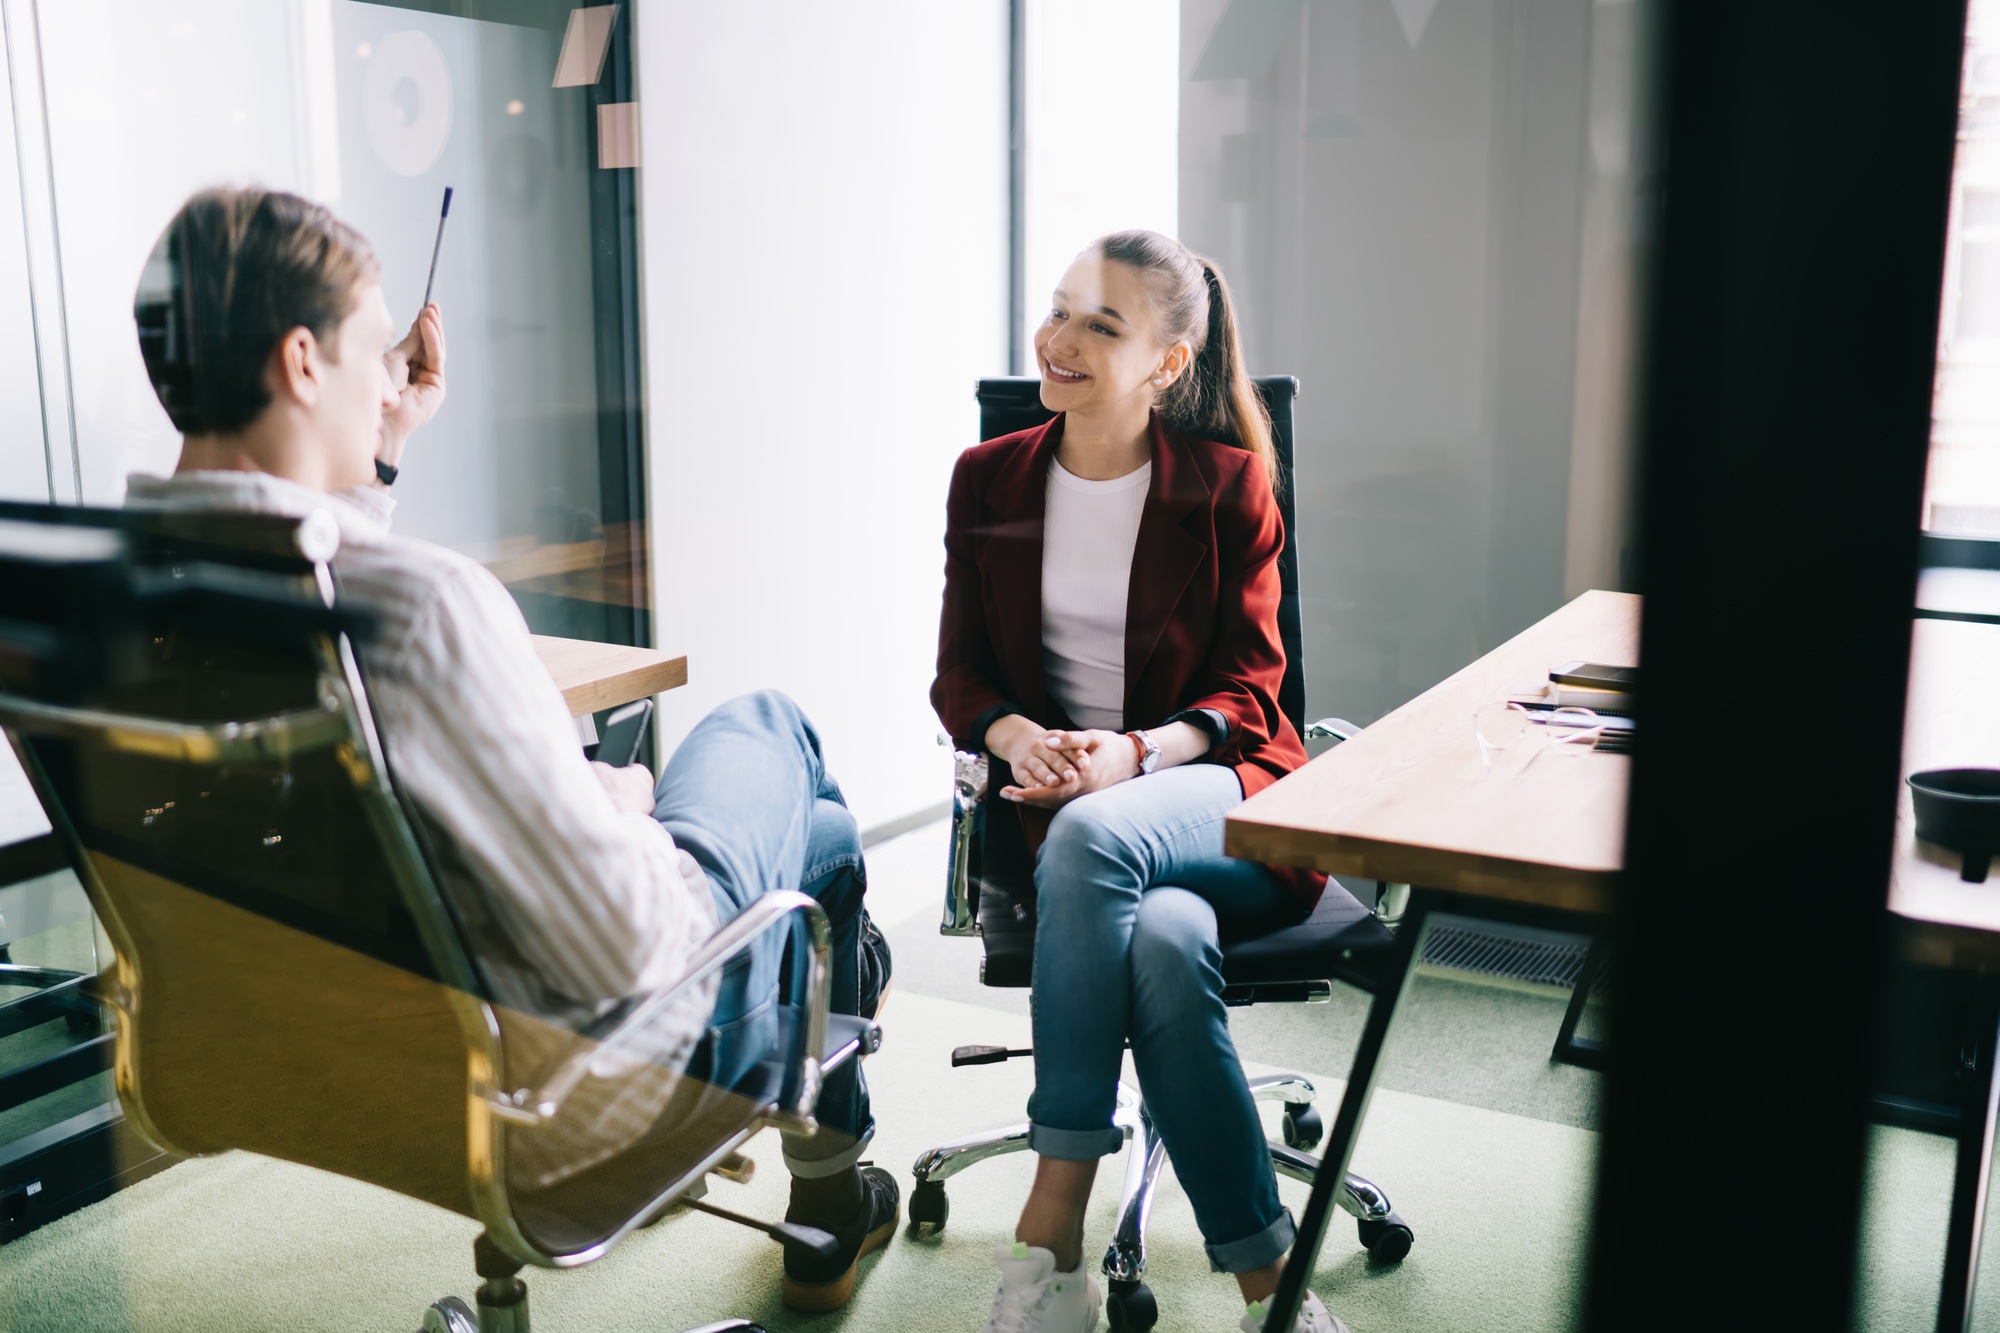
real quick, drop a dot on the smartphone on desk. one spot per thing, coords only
(624, 731)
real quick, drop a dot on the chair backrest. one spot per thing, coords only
(184, 694)
(1014, 402)
(187, 705)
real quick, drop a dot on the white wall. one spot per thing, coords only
(824, 206)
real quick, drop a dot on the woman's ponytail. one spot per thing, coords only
(1214, 398)
(1238, 415)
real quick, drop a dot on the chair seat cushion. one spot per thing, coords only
(1340, 941)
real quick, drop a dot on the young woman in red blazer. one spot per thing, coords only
(1110, 636)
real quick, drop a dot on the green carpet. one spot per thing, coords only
(239, 1242)
(1485, 1147)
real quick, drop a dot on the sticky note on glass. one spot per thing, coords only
(618, 134)
(586, 42)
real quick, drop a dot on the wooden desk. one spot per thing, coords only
(596, 676)
(1408, 800)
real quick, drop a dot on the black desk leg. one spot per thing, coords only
(1570, 1049)
(1975, 1151)
(1282, 1311)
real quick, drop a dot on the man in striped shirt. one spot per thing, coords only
(264, 330)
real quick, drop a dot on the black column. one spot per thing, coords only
(1785, 420)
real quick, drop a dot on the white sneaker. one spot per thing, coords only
(1034, 1298)
(1313, 1318)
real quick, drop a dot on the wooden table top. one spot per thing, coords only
(1952, 721)
(1408, 800)
(596, 676)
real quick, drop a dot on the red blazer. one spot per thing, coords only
(1201, 626)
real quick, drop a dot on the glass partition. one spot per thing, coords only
(1430, 214)
(524, 108)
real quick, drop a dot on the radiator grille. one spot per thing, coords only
(1544, 962)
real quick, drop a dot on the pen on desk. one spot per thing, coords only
(436, 246)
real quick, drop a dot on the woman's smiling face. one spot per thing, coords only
(1100, 344)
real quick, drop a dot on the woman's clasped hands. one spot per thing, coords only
(1052, 768)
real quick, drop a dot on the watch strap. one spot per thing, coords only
(386, 473)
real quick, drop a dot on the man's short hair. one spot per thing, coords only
(234, 272)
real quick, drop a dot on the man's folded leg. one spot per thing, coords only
(831, 1188)
(747, 796)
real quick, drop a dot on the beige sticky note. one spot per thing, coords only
(586, 42)
(618, 134)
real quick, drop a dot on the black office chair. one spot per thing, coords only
(990, 893)
(289, 977)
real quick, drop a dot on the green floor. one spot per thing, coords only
(1484, 1146)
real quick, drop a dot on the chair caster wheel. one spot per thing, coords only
(450, 1315)
(928, 1206)
(1131, 1309)
(1386, 1241)
(1303, 1129)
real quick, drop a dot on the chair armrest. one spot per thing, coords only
(811, 977)
(968, 789)
(1338, 728)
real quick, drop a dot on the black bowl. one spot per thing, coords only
(1959, 808)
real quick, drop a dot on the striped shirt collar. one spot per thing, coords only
(362, 512)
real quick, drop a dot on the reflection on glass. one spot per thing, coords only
(374, 109)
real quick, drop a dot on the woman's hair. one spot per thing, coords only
(1213, 398)
(234, 272)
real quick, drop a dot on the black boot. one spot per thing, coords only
(859, 1206)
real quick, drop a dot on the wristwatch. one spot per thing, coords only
(1149, 753)
(386, 472)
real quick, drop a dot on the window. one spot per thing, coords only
(1103, 132)
(1962, 496)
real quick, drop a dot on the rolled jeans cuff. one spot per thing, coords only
(798, 1147)
(1254, 1252)
(1075, 1145)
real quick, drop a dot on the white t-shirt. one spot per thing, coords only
(1087, 538)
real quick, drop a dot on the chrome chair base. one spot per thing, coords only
(1384, 1234)
(503, 1305)
(450, 1315)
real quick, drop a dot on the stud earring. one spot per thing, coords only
(1159, 380)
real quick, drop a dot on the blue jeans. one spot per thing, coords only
(747, 795)
(1129, 886)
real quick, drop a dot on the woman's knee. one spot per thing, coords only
(1176, 950)
(1086, 843)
